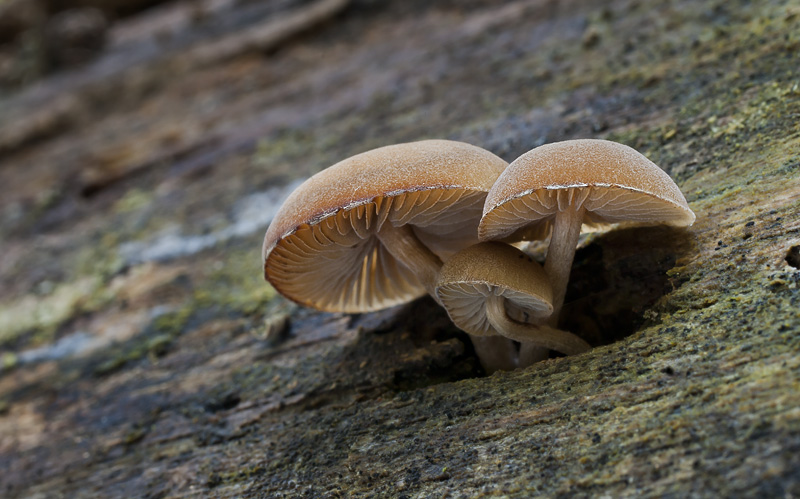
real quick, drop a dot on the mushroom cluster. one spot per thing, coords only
(441, 217)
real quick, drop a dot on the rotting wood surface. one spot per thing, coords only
(143, 355)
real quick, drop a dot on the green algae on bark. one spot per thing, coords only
(694, 387)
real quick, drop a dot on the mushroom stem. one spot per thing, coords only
(530, 354)
(560, 253)
(535, 336)
(496, 353)
(403, 244)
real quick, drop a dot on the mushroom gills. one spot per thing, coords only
(364, 276)
(482, 287)
(364, 273)
(468, 300)
(482, 309)
(571, 183)
(609, 206)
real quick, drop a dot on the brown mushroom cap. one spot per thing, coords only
(495, 289)
(485, 271)
(321, 249)
(610, 181)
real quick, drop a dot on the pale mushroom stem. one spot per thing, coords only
(535, 335)
(496, 353)
(530, 353)
(404, 245)
(560, 253)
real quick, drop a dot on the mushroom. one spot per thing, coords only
(494, 289)
(371, 231)
(567, 184)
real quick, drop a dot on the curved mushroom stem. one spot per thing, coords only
(496, 353)
(403, 244)
(560, 253)
(529, 352)
(536, 336)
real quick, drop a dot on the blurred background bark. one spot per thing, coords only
(145, 146)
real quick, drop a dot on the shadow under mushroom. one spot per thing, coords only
(618, 279)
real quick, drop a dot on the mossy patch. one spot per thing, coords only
(234, 282)
(700, 392)
(152, 343)
(43, 314)
(133, 200)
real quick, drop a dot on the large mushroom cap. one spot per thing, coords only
(321, 249)
(478, 274)
(611, 181)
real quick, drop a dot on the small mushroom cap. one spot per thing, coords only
(321, 250)
(611, 181)
(492, 269)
